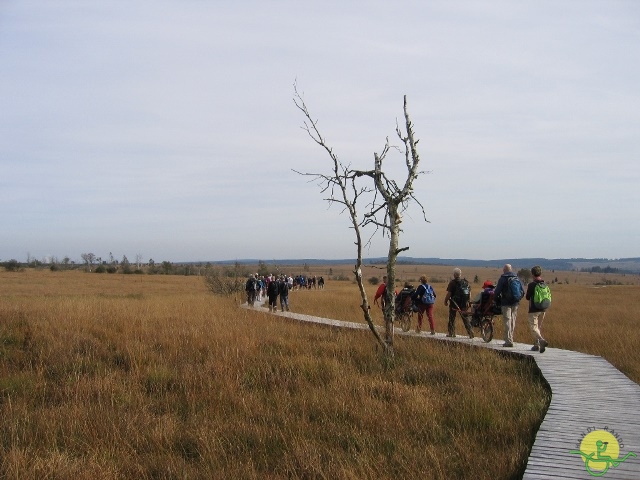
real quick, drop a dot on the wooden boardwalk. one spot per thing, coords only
(588, 395)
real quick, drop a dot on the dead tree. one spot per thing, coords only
(385, 202)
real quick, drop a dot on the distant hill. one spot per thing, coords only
(619, 265)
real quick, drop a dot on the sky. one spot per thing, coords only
(167, 129)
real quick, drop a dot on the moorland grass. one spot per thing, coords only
(585, 315)
(137, 376)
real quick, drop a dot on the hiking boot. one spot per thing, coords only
(543, 345)
(451, 335)
(535, 348)
(433, 332)
(507, 344)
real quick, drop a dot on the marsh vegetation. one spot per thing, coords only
(140, 376)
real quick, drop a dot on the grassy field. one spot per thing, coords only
(139, 376)
(590, 313)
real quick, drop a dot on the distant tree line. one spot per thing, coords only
(607, 269)
(94, 264)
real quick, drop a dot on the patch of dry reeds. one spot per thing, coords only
(136, 376)
(585, 315)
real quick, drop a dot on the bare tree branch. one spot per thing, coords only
(383, 212)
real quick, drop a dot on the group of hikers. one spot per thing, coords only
(301, 281)
(502, 298)
(273, 286)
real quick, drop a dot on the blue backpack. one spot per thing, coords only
(512, 292)
(429, 296)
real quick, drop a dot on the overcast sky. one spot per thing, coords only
(167, 129)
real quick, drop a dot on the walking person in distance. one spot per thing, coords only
(283, 290)
(539, 297)
(509, 292)
(457, 298)
(272, 294)
(380, 293)
(250, 287)
(425, 298)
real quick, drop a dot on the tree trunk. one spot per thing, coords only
(389, 312)
(390, 204)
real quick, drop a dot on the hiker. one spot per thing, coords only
(380, 293)
(508, 293)
(259, 288)
(536, 312)
(283, 291)
(250, 288)
(272, 294)
(457, 298)
(424, 298)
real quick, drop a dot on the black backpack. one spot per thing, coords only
(461, 293)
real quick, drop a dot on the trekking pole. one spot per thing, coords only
(465, 315)
(459, 310)
(457, 306)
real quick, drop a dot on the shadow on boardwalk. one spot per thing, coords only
(589, 398)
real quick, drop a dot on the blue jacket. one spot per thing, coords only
(502, 283)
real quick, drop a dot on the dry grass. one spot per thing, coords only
(586, 317)
(135, 376)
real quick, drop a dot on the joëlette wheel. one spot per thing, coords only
(486, 327)
(405, 322)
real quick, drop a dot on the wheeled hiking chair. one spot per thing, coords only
(405, 308)
(481, 315)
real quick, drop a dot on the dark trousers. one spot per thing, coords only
(273, 301)
(451, 328)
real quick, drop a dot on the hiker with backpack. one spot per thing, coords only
(539, 296)
(250, 287)
(272, 294)
(457, 299)
(283, 291)
(508, 293)
(424, 298)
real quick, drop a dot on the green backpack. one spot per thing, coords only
(541, 296)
